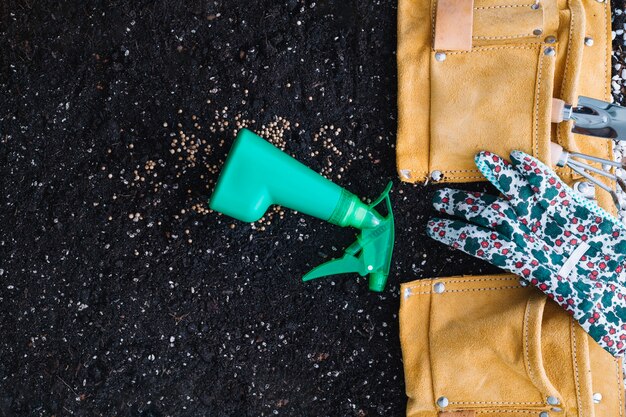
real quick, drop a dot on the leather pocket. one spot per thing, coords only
(489, 357)
(507, 21)
(496, 91)
(474, 344)
(491, 347)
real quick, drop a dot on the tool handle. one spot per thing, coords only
(558, 106)
(558, 156)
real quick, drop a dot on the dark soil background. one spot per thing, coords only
(119, 293)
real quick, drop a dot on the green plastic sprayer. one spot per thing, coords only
(257, 175)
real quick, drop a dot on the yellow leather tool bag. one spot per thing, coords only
(488, 346)
(479, 75)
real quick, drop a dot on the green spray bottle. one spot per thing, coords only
(257, 175)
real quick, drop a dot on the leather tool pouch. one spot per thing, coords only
(487, 346)
(489, 84)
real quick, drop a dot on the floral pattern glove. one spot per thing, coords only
(549, 235)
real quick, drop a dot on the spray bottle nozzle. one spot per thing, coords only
(371, 253)
(370, 220)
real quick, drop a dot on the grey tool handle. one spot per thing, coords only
(597, 118)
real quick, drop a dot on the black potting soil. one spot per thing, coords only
(120, 293)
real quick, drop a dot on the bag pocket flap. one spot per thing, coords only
(509, 21)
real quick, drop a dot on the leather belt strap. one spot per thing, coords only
(453, 25)
(466, 413)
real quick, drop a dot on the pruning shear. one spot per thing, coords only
(592, 117)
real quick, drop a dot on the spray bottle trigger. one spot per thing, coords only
(380, 244)
(369, 254)
(344, 265)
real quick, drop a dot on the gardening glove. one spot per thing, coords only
(549, 235)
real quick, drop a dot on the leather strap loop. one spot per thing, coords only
(453, 25)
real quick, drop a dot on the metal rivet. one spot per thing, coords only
(537, 32)
(436, 175)
(550, 39)
(439, 288)
(523, 283)
(544, 414)
(588, 41)
(443, 402)
(440, 56)
(535, 6)
(370, 267)
(600, 1)
(549, 51)
(406, 174)
(407, 292)
(552, 400)
(597, 398)
(586, 188)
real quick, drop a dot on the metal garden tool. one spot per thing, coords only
(257, 175)
(562, 158)
(592, 117)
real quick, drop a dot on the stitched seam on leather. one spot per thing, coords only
(430, 349)
(504, 6)
(461, 170)
(454, 281)
(467, 178)
(606, 75)
(472, 290)
(576, 375)
(452, 176)
(535, 139)
(433, 13)
(527, 358)
(482, 279)
(619, 387)
(524, 35)
(479, 412)
(496, 402)
(493, 48)
(479, 177)
(429, 157)
(486, 289)
(567, 61)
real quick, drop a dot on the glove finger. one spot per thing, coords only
(461, 203)
(531, 214)
(484, 210)
(495, 213)
(478, 241)
(600, 270)
(535, 262)
(509, 181)
(574, 213)
(551, 192)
